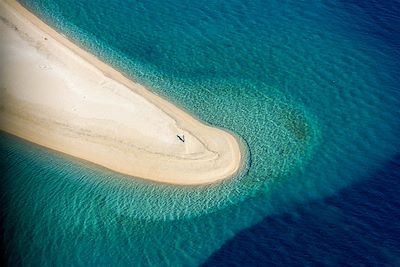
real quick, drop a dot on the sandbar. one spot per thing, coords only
(55, 94)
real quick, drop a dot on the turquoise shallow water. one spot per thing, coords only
(307, 86)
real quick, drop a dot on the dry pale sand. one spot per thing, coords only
(55, 94)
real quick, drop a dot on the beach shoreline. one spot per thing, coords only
(91, 111)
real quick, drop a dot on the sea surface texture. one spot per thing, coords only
(311, 88)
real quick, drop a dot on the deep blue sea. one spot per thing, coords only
(311, 88)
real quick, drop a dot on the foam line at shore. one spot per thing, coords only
(55, 94)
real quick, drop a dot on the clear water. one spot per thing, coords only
(311, 88)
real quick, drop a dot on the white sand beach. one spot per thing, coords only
(57, 95)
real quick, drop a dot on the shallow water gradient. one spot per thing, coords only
(310, 88)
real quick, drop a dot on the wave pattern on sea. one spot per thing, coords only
(304, 84)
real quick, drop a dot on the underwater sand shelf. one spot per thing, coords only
(55, 94)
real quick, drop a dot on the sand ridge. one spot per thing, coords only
(55, 94)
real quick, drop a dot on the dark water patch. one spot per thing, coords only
(295, 122)
(356, 227)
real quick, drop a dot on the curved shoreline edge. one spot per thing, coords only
(143, 144)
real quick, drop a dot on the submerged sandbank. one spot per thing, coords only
(57, 95)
